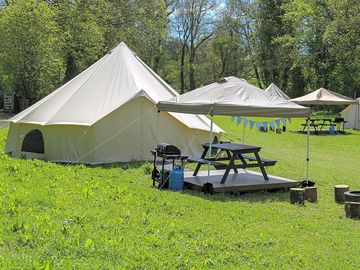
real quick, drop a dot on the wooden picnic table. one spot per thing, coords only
(233, 152)
(318, 124)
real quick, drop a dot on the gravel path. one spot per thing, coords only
(3, 117)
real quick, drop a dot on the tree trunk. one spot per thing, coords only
(311, 194)
(352, 210)
(297, 196)
(339, 193)
(257, 76)
(192, 70)
(182, 64)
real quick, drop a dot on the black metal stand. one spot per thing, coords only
(160, 177)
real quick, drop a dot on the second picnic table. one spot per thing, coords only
(318, 124)
(233, 151)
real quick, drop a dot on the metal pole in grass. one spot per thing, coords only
(243, 135)
(210, 143)
(358, 115)
(308, 150)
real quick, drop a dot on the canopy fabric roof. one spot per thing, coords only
(233, 96)
(276, 91)
(323, 96)
(117, 78)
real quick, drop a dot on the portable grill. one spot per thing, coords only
(168, 152)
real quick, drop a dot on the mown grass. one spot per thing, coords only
(106, 217)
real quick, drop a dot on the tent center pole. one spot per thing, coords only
(210, 142)
(308, 150)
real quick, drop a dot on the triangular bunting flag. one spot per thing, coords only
(245, 122)
(252, 123)
(239, 119)
(272, 124)
(258, 125)
(277, 122)
(284, 121)
(265, 125)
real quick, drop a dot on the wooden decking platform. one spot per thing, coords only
(244, 181)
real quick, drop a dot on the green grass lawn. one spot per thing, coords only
(78, 217)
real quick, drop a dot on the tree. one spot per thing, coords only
(82, 25)
(193, 22)
(140, 23)
(310, 20)
(30, 43)
(343, 36)
(242, 20)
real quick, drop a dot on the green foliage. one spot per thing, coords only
(343, 35)
(30, 41)
(300, 45)
(141, 23)
(82, 25)
(109, 217)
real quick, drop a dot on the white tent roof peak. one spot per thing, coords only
(233, 97)
(112, 81)
(323, 96)
(276, 91)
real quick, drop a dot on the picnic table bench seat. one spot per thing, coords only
(265, 161)
(217, 165)
(311, 125)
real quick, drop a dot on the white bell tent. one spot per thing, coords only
(351, 114)
(276, 91)
(105, 114)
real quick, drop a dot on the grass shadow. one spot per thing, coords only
(323, 133)
(280, 195)
(119, 165)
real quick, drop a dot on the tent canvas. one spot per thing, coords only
(233, 96)
(107, 114)
(351, 114)
(276, 91)
(323, 96)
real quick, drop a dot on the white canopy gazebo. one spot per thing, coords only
(234, 97)
(323, 96)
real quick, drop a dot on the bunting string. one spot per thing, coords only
(261, 124)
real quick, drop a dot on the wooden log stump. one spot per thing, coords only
(352, 196)
(352, 210)
(339, 193)
(297, 196)
(311, 194)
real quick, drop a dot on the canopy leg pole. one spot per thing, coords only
(210, 143)
(157, 127)
(308, 150)
(358, 115)
(243, 135)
